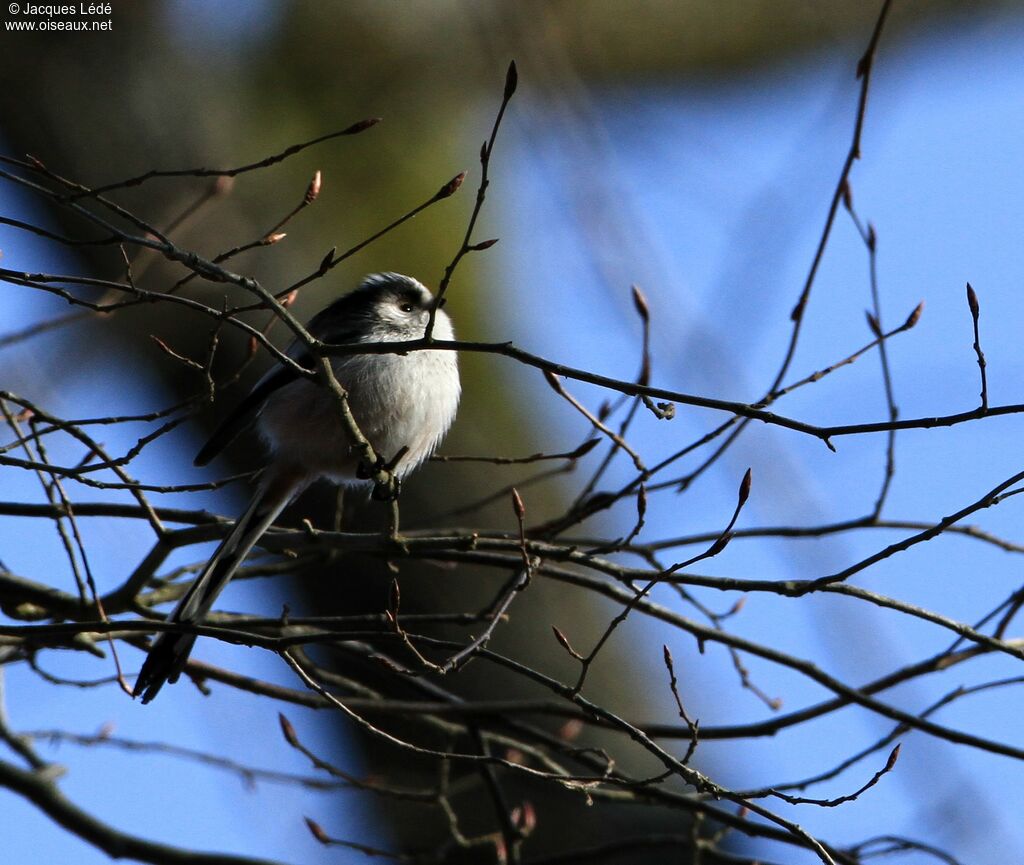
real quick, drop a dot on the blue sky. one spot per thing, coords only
(712, 196)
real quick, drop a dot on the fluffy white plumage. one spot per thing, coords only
(399, 401)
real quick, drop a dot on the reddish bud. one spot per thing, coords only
(876, 328)
(564, 641)
(585, 448)
(914, 317)
(223, 185)
(745, 488)
(847, 195)
(972, 300)
(289, 298)
(451, 187)
(271, 239)
(517, 505)
(484, 244)
(720, 544)
(524, 818)
(894, 755)
(287, 730)
(361, 126)
(570, 730)
(640, 302)
(667, 654)
(317, 831)
(514, 755)
(313, 190)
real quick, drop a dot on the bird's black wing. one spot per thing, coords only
(243, 414)
(336, 324)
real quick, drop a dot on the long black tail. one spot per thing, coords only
(170, 651)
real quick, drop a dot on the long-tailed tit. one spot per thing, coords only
(403, 404)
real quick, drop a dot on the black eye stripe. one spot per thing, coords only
(408, 302)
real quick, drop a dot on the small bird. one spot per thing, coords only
(403, 404)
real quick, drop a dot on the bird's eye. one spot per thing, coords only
(405, 307)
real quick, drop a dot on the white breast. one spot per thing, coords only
(397, 401)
